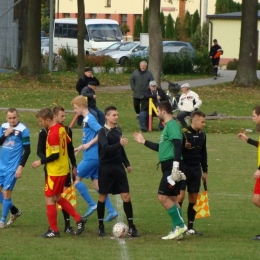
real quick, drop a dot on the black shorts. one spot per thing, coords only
(193, 178)
(112, 179)
(164, 187)
(215, 62)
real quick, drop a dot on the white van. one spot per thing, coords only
(100, 33)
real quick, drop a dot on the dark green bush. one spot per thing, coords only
(133, 64)
(202, 63)
(69, 58)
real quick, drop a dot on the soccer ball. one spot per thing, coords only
(120, 230)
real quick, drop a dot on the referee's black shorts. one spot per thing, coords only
(193, 178)
(215, 62)
(166, 188)
(112, 179)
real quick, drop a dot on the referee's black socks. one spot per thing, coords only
(129, 213)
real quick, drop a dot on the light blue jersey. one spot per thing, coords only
(12, 148)
(90, 130)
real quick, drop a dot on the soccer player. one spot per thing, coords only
(242, 136)
(112, 176)
(59, 117)
(15, 142)
(88, 167)
(57, 167)
(169, 149)
(194, 155)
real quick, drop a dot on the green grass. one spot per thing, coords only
(226, 234)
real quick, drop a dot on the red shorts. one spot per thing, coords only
(54, 185)
(257, 186)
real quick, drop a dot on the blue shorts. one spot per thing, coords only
(7, 180)
(88, 169)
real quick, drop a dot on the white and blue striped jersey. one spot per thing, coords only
(12, 148)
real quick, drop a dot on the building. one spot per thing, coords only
(229, 24)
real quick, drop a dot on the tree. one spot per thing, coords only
(178, 29)
(195, 21)
(246, 72)
(227, 6)
(155, 40)
(162, 22)
(169, 32)
(138, 28)
(145, 20)
(186, 28)
(31, 53)
(81, 36)
(124, 28)
(200, 39)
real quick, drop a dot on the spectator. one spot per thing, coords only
(158, 95)
(215, 52)
(89, 91)
(139, 82)
(188, 102)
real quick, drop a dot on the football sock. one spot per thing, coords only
(100, 212)
(14, 210)
(129, 213)
(191, 215)
(83, 190)
(51, 212)
(66, 219)
(175, 215)
(69, 209)
(7, 204)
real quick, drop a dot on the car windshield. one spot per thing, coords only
(104, 32)
(113, 46)
(128, 46)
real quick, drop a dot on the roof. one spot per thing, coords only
(87, 21)
(235, 15)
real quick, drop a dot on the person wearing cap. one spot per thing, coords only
(188, 102)
(83, 82)
(89, 91)
(139, 82)
(214, 54)
(158, 95)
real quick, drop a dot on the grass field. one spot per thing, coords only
(226, 234)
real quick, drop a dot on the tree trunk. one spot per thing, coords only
(81, 36)
(246, 72)
(31, 53)
(155, 40)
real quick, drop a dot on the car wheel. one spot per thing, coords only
(123, 61)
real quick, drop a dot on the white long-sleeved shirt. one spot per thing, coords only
(189, 102)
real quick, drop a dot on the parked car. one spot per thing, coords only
(180, 51)
(124, 52)
(178, 43)
(45, 43)
(113, 47)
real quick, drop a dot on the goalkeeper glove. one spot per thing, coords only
(176, 174)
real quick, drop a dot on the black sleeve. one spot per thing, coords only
(51, 158)
(152, 146)
(41, 146)
(26, 153)
(2, 139)
(177, 149)
(96, 80)
(80, 85)
(125, 159)
(102, 141)
(71, 148)
(85, 92)
(252, 142)
(204, 157)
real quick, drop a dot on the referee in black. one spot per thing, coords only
(194, 155)
(112, 176)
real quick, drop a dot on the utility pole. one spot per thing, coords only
(51, 37)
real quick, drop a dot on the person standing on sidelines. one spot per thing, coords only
(169, 149)
(88, 167)
(57, 167)
(194, 155)
(214, 54)
(256, 143)
(112, 176)
(59, 117)
(139, 82)
(15, 142)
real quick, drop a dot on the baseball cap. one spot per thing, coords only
(93, 83)
(185, 85)
(87, 69)
(152, 83)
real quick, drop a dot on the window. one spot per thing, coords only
(108, 3)
(123, 18)
(93, 16)
(66, 30)
(108, 16)
(66, 15)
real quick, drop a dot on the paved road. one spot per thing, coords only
(225, 76)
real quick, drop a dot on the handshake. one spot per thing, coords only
(176, 175)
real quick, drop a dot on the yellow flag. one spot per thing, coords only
(70, 195)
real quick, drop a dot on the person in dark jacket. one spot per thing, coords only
(89, 91)
(139, 82)
(194, 153)
(83, 82)
(214, 54)
(158, 95)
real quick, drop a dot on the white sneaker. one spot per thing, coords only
(2, 224)
(175, 233)
(13, 217)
